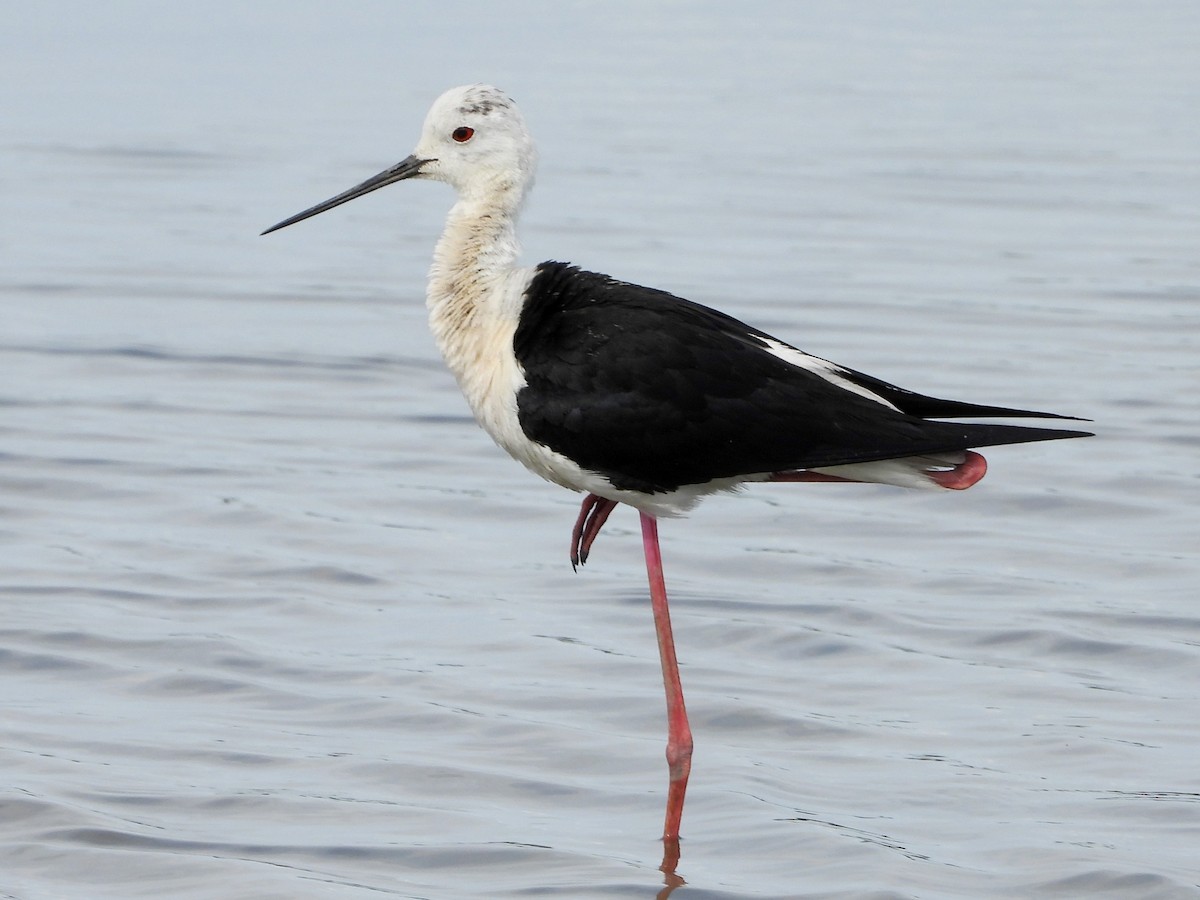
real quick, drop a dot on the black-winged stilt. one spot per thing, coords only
(635, 396)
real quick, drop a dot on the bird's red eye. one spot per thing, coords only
(463, 133)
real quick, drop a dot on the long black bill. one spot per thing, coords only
(406, 168)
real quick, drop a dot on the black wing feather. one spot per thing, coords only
(655, 392)
(935, 408)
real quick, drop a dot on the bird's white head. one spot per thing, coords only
(474, 139)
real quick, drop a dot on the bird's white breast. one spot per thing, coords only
(475, 336)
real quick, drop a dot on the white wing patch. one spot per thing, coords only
(832, 373)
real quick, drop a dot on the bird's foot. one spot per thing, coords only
(962, 476)
(593, 513)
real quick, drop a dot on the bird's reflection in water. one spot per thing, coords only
(671, 879)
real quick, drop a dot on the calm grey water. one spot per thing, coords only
(279, 622)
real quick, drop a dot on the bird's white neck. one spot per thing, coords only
(479, 241)
(474, 290)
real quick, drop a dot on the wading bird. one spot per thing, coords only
(635, 396)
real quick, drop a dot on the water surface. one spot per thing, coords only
(280, 622)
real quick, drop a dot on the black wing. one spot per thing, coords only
(655, 392)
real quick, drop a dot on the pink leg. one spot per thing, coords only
(592, 515)
(958, 478)
(806, 476)
(679, 733)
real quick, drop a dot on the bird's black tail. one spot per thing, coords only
(975, 434)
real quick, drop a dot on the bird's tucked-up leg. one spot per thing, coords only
(592, 515)
(805, 476)
(958, 477)
(679, 732)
